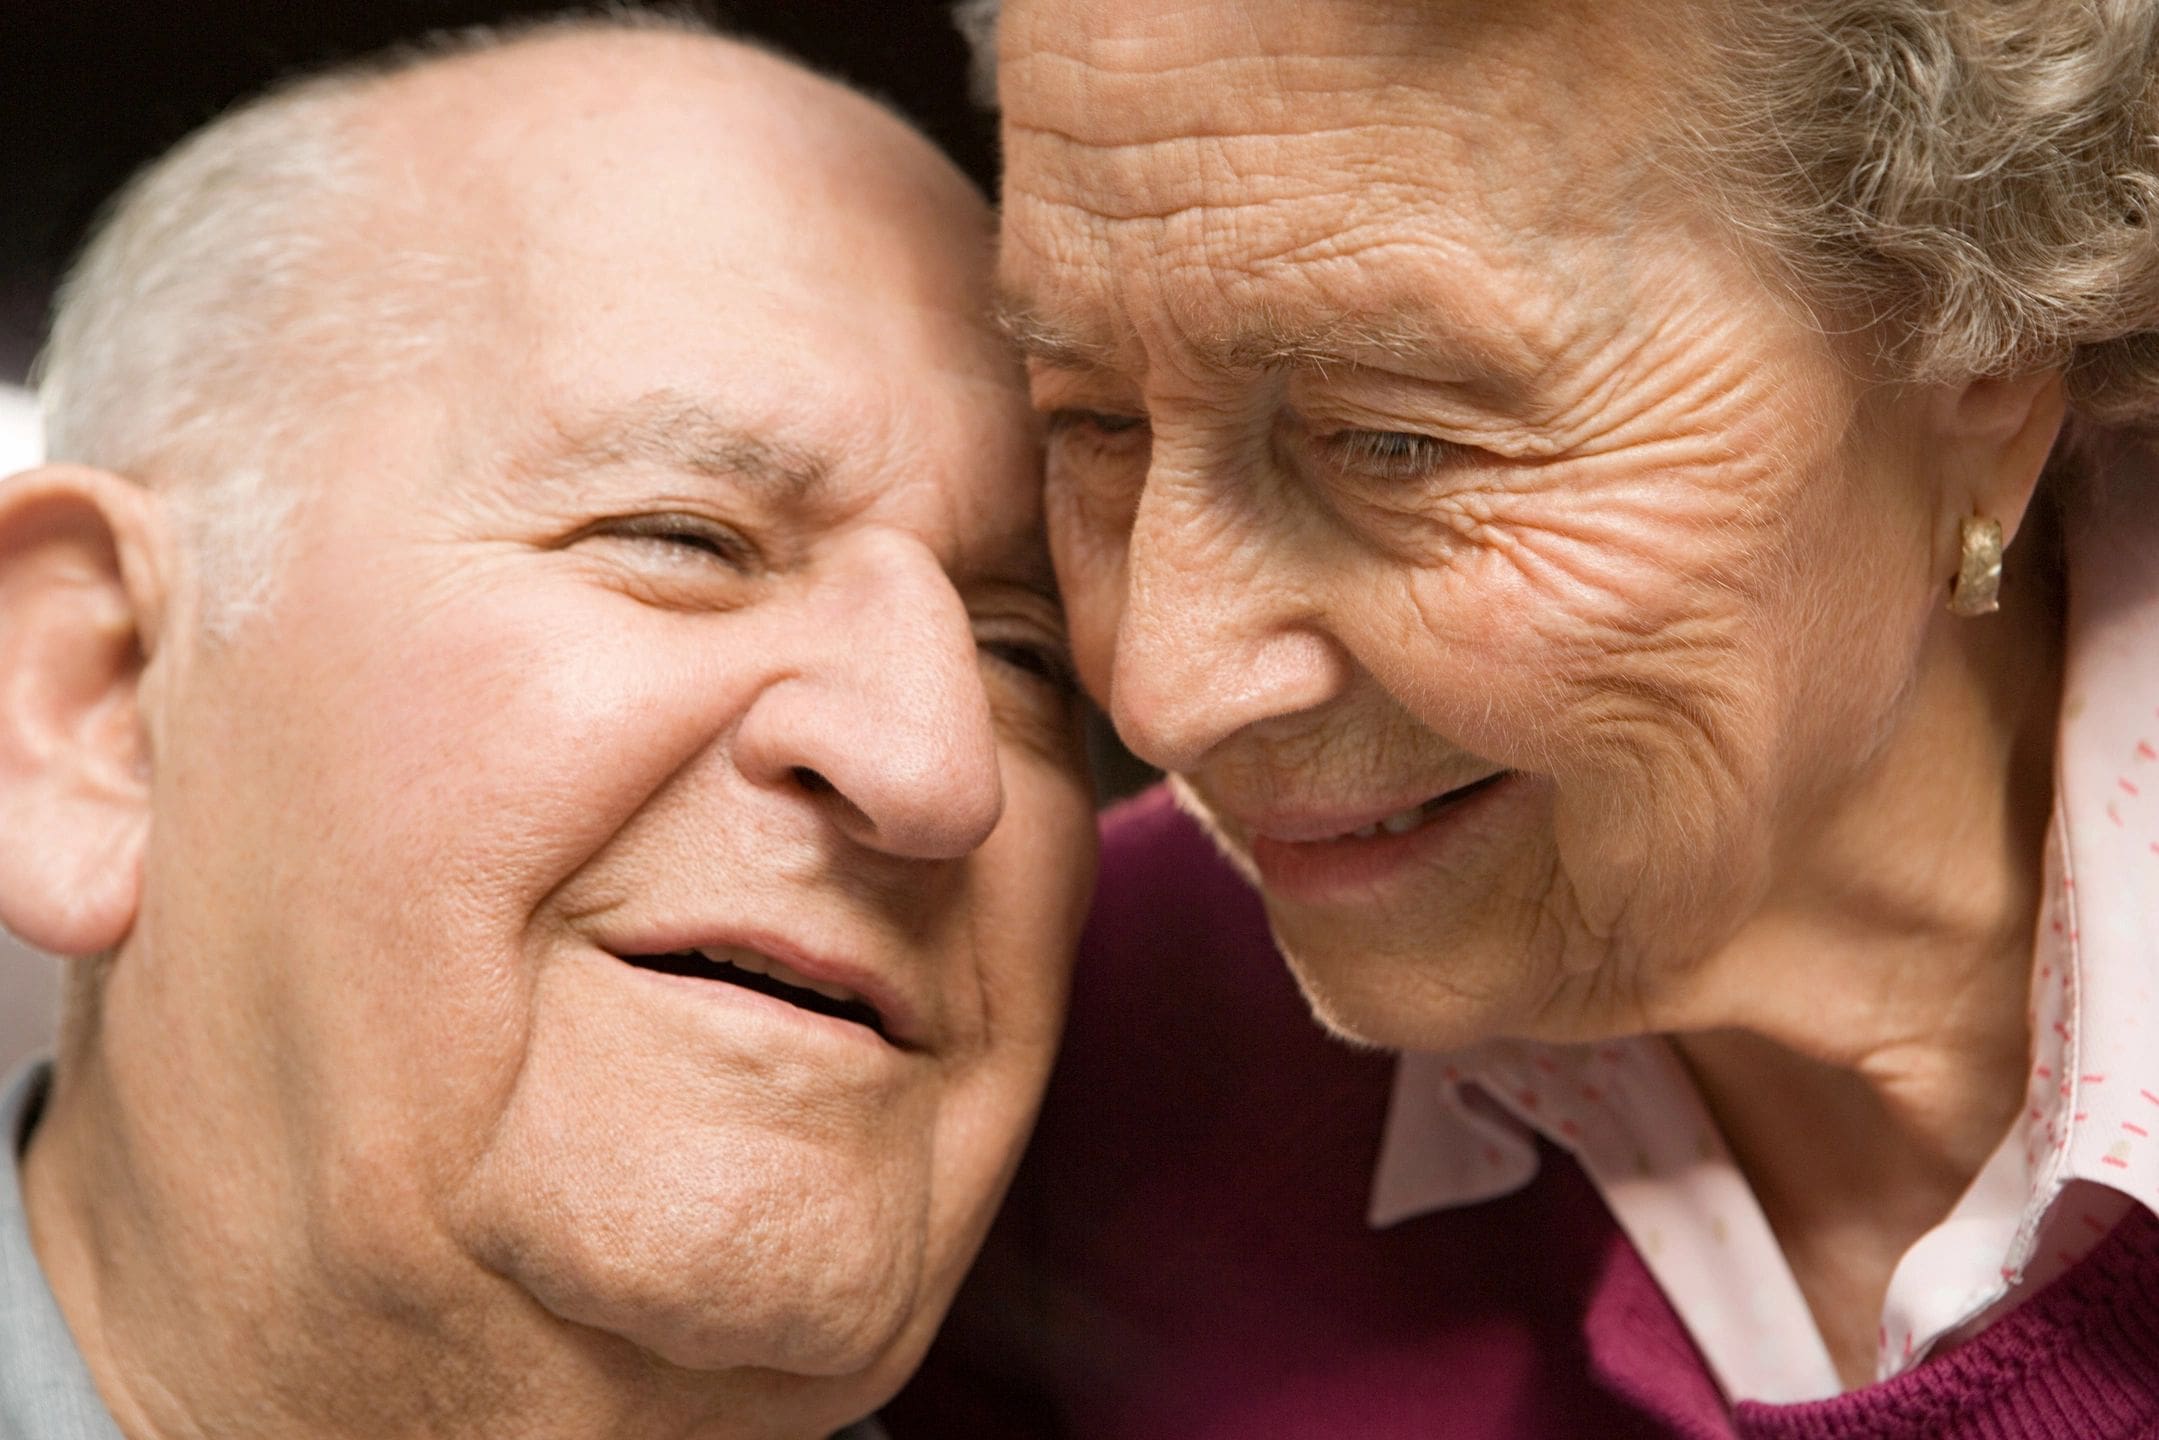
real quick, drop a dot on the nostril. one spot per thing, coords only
(834, 801)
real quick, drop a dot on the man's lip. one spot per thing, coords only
(1303, 825)
(901, 1018)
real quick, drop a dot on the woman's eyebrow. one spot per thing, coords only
(1409, 336)
(1040, 339)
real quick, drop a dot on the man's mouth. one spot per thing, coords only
(734, 966)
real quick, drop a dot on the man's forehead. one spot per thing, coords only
(515, 144)
(709, 262)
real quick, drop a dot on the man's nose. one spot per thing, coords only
(1216, 633)
(883, 722)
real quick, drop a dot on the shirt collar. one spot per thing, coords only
(45, 1390)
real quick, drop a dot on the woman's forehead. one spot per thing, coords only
(1140, 70)
(1358, 158)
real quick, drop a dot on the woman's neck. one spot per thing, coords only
(1862, 1042)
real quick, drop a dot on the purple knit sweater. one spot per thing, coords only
(1185, 1257)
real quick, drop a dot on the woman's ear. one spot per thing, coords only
(80, 596)
(1995, 436)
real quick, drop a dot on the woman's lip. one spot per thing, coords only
(1344, 867)
(1305, 827)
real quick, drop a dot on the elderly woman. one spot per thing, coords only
(1626, 522)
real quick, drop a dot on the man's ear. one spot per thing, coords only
(80, 596)
(1993, 439)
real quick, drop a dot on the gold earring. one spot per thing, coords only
(1978, 587)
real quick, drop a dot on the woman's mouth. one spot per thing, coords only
(1311, 860)
(1402, 822)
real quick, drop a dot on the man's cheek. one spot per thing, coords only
(467, 749)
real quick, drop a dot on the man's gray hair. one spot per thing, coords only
(1977, 183)
(237, 287)
(175, 337)
(234, 289)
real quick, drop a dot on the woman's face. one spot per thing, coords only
(1510, 573)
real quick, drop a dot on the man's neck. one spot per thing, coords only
(191, 1330)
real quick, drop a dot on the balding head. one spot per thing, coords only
(607, 913)
(321, 242)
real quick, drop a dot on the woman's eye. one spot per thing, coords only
(1101, 424)
(1391, 454)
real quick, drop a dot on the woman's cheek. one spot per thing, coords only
(1562, 647)
(1089, 563)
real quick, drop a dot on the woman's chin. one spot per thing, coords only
(1441, 990)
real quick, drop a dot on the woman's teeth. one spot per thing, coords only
(1404, 821)
(1400, 823)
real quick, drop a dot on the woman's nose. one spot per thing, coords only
(1216, 632)
(884, 723)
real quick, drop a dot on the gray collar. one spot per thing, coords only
(45, 1391)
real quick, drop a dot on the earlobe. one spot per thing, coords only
(78, 602)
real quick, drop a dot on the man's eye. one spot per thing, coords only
(1391, 454)
(690, 536)
(1101, 424)
(1041, 661)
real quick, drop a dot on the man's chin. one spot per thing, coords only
(822, 1325)
(816, 1266)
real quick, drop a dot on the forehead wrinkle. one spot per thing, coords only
(682, 433)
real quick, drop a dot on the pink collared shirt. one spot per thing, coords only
(2084, 1152)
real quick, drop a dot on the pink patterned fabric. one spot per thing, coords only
(2084, 1153)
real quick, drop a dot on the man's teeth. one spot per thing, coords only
(758, 964)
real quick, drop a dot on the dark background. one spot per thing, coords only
(91, 89)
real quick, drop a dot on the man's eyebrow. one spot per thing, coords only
(680, 432)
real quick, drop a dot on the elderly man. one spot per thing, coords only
(533, 698)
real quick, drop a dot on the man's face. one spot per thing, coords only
(636, 857)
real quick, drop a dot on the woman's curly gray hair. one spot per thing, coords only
(1976, 181)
